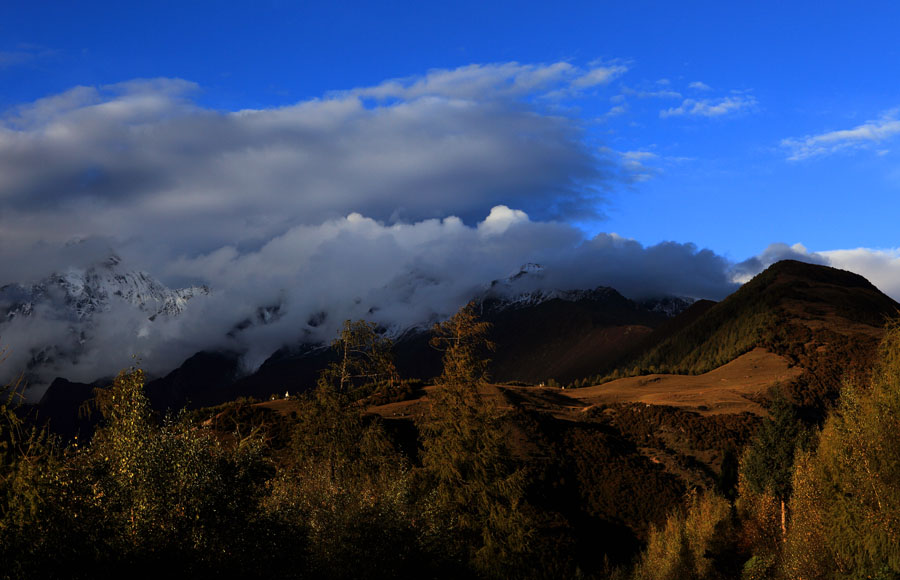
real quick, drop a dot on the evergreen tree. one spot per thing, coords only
(727, 479)
(767, 464)
(463, 339)
(364, 359)
(477, 488)
(345, 485)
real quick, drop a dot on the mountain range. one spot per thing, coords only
(618, 409)
(80, 294)
(795, 310)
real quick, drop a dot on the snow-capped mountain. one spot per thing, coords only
(69, 322)
(79, 294)
(528, 288)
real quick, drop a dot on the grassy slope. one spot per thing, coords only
(786, 293)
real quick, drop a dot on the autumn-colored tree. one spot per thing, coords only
(169, 491)
(847, 510)
(695, 542)
(805, 553)
(29, 463)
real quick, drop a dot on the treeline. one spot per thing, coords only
(147, 496)
(472, 491)
(810, 503)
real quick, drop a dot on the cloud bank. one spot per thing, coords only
(301, 285)
(141, 162)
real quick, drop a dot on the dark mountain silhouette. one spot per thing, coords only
(62, 406)
(825, 320)
(565, 340)
(789, 298)
(539, 339)
(198, 382)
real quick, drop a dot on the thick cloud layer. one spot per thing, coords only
(301, 285)
(142, 162)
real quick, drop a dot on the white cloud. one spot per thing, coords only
(475, 81)
(868, 134)
(616, 111)
(880, 267)
(711, 107)
(699, 86)
(599, 75)
(636, 163)
(142, 163)
(491, 81)
(743, 271)
(501, 219)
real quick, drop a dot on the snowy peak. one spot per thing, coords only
(527, 287)
(669, 306)
(78, 294)
(527, 274)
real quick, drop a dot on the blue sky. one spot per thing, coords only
(707, 111)
(385, 160)
(725, 182)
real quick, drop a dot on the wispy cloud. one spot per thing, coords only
(496, 80)
(711, 107)
(866, 135)
(599, 75)
(616, 110)
(651, 94)
(635, 166)
(699, 86)
(635, 163)
(23, 54)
